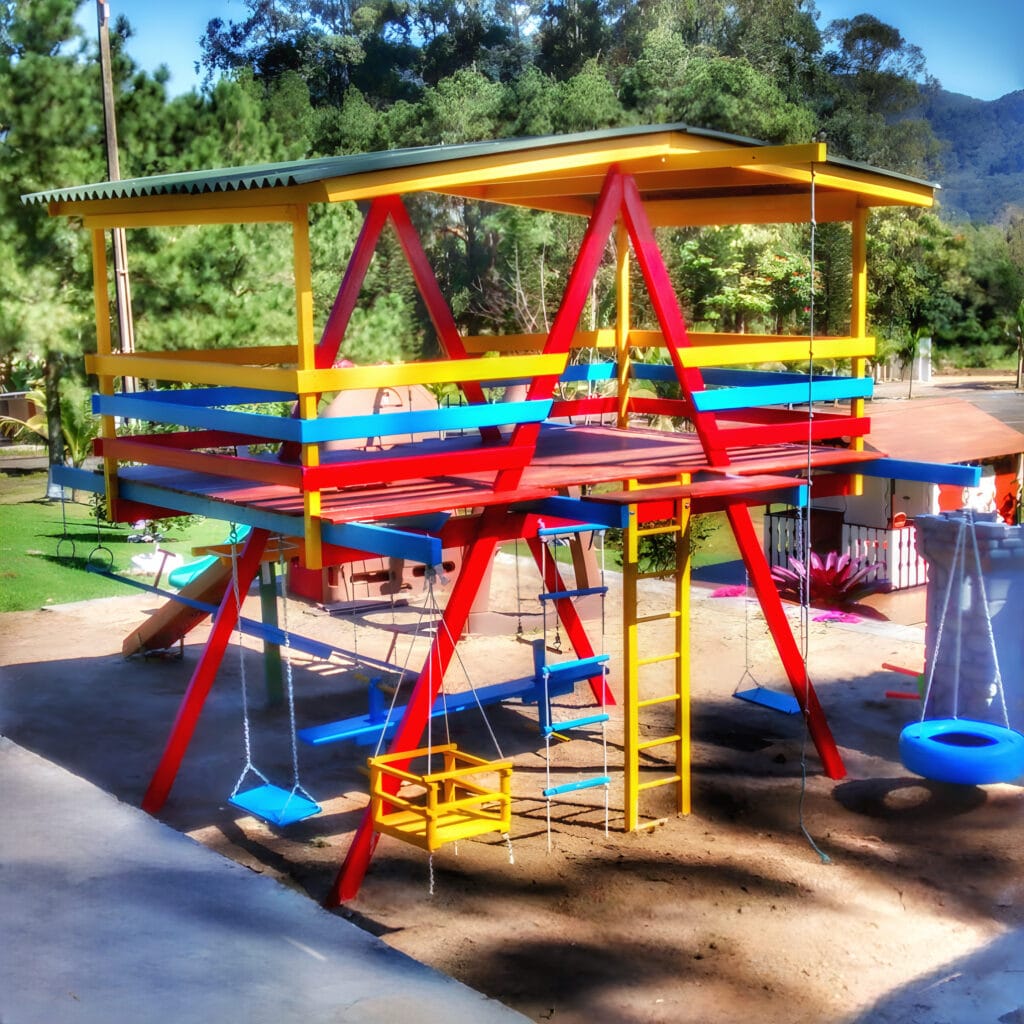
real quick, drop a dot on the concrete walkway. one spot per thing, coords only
(107, 915)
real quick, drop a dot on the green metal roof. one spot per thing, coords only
(306, 172)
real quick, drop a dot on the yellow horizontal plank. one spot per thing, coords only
(709, 349)
(574, 205)
(298, 195)
(264, 355)
(189, 217)
(204, 371)
(446, 371)
(480, 343)
(483, 170)
(752, 209)
(193, 372)
(874, 189)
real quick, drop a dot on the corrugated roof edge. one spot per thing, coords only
(305, 172)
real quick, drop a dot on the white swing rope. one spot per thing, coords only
(957, 569)
(246, 735)
(286, 647)
(805, 540)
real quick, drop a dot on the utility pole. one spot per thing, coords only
(122, 286)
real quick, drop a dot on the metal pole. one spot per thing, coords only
(122, 288)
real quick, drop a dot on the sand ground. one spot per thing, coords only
(731, 913)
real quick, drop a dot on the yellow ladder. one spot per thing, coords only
(643, 685)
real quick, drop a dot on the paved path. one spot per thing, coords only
(107, 916)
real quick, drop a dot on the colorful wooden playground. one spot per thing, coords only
(575, 454)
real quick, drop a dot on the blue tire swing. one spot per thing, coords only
(963, 751)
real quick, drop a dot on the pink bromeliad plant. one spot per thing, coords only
(836, 582)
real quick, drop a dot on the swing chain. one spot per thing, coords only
(98, 547)
(65, 538)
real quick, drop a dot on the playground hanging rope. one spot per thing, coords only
(805, 589)
(286, 647)
(246, 731)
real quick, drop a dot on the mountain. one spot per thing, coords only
(983, 163)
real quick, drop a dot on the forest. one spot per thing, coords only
(294, 79)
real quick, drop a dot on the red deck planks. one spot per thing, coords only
(565, 457)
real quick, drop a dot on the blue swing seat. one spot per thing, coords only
(773, 699)
(275, 805)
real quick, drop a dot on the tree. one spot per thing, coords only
(50, 104)
(874, 78)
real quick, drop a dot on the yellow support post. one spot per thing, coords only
(104, 345)
(308, 402)
(859, 319)
(637, 701)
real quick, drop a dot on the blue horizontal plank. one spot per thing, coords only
(340, 428)
(78, 479)
(727, 376)
(923, 472)
(652, 371)
(216, 396)
(592, 514)
(589, 371)
(199, 416)
(386, 541)
(815, 390)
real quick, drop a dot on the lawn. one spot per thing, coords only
(44, 550)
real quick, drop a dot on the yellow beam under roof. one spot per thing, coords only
(677, 169)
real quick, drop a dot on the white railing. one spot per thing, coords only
(892, 553)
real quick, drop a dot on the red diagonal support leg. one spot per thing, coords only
(570, 618)
(414, 721)
(202, 678)
(789, 652)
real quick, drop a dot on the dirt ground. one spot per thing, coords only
(728, 914)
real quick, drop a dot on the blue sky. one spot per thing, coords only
(973, 48)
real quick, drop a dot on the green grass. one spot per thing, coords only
(33, 573)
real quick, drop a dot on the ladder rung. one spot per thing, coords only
(575, 723)
(646, 825)
(655, 783)
(650, 744)
(573, 787)
(657, 617)
(653, 575)
(650, 702)
(658, 531)
(657, 659)
(558, 595)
